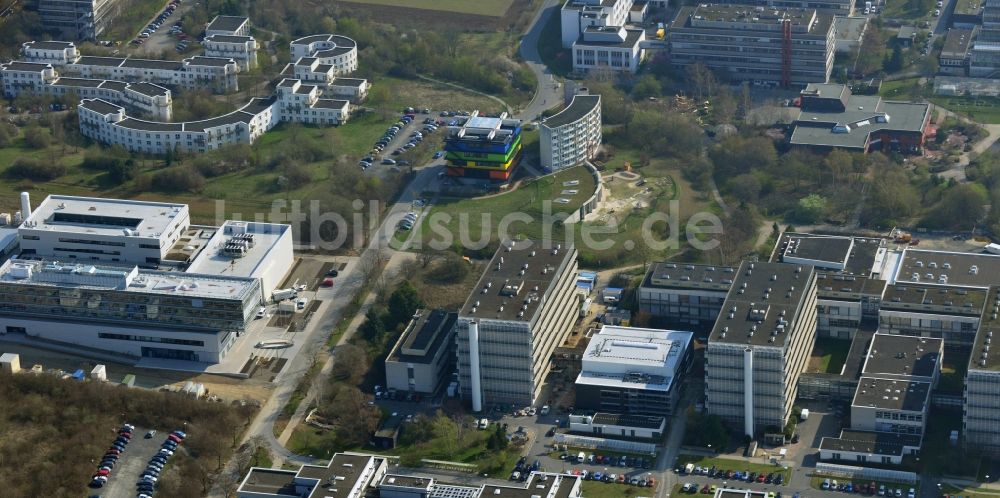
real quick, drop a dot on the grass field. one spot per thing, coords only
(969, 492)
(479, 218)
(594, 489)
(829, 355)
(984, 110)
(732, 464)
(491, 8)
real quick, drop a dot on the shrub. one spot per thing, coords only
(179, 179)
(30, 168)
(37, 137)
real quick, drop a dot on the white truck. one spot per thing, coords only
(283, 294)
(992, 248)
(804, 415)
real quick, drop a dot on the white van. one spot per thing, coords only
(483, 423)
(582, 457)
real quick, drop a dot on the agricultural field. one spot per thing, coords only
(493, 8)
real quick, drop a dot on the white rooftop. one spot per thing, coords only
(104, 216)
(484, 122)
(211, 259)
(125, 278)
(634, 357)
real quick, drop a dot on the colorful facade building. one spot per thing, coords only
(483, 147)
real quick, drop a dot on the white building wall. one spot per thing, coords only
(86, 335)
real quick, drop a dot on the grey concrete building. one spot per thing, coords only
(760, 345)
(760, 45)
(421, 359)
(981, 413)
(685, 294)
(78, 19)
(523, 307)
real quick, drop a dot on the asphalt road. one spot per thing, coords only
(548, 90)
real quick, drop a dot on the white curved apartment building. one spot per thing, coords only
(337, 51)
(572, 136)
(108, 123)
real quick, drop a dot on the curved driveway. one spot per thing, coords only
(547, 91)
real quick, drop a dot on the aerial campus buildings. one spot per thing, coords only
(522, 308)
(355, 475)
(599, 36)
(573, 135)
(483, 147)
(137, 279)
(786, 46)
(925, 305)
(830, 117)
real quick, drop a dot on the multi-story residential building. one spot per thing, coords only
(522, 308)
(573, 135)
(422, 358)
(78, 19)
(981, 413)
(57, 53)
(760, 345)
(294, 102)
(483, 147)
(242, 49)
(766, 46)
(228, 26)
(338, 52)
(831, 117)
(685, 294)
(31, 77)
(352, 89)
(954, 57)
(216, 74)
(633, 371)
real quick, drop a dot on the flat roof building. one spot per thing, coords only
(768, 46)
(832, 117)
(633, 370)
(483, 147)
(423, 357)
(573, 135)
(684, 294)
(868, 447)
(347, 475)
(229, 26)
(767, 325)
(522, 308)
(981, 411)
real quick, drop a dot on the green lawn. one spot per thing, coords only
(907, 9)
(479, 218)
(492, 8)
(898, 89)
(984, 110)
(594, 489)
(733, 464)
(969, 492)
(829, 355)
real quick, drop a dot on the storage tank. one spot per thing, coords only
(25, 205)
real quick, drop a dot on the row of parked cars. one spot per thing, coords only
(737, 475)
(621, 460)
(155, 25)
(110, 459)
(612, 477)
(866, 489)
(145, 487)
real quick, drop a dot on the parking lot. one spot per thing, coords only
(162, 40)
(121, 481)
